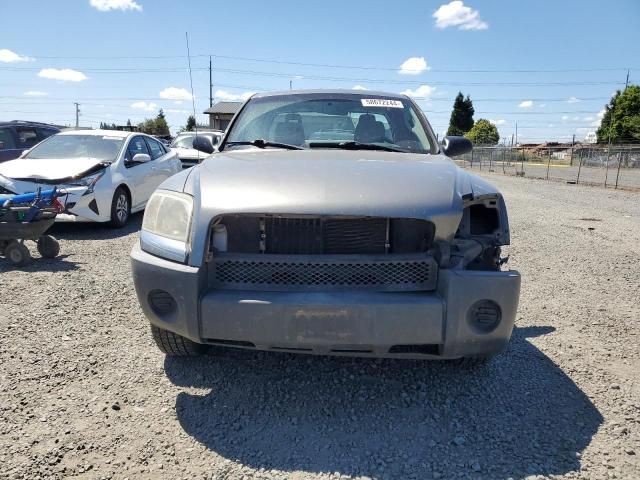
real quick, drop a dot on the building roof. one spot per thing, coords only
(224, 107)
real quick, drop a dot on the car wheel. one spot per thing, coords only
(120, 208)
(17, 253)
(48, 246)
(174, 345)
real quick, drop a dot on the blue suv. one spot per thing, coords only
(18, 135)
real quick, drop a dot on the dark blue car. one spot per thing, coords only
(17, 136)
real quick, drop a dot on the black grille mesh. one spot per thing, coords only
(285, 274)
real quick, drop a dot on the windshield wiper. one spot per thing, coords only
(261, 143)
(357, 146)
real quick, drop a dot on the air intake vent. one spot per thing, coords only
(324, 272)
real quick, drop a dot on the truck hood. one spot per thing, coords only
(327, 182)
(49, 170)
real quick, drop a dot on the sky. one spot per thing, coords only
(550, 66)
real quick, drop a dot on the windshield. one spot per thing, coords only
(186, 141)
(103, 148)
(331, 121)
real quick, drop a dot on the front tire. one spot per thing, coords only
(174, 345)
(17, 253)
(120, 208)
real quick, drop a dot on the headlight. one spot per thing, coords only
(89, 181)
(166, 225)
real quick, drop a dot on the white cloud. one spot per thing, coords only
(225, 96)
(7, 56)
(550, 125)
(63, 74)
(178, 102)
(174, 110)
(542, 105)
(175, 93)
(573, 100)
(35, 93)
(423, 91)
(498, 122)
(359, 87)
(601, 114)
(526, 104)
(413, 66)
(456, 14)
(588, 119)
(596, 123)
(565, 118)
(147, 107)
(107, 5)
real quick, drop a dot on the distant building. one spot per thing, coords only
(591, 137)
(221, 114)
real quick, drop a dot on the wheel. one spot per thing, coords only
(3, 245)
(17, 253)
(120, 208)
(173, 345)
(48, 246)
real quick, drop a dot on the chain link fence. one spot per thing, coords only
(615, 166)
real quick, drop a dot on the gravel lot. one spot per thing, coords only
(84, 392)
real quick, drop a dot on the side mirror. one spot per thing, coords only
(141, 158)
(453, 146)
(203, 144)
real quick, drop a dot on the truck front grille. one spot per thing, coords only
(283, 234)
(324, 272)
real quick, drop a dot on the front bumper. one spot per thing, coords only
(380, 324)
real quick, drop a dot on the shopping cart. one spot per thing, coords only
(28, 217)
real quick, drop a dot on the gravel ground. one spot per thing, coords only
(84, 392)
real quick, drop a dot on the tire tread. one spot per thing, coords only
(174, 345)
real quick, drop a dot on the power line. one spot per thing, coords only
(328, 78)
(328, 65)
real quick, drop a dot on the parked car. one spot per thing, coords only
(183, 145)
(293, 238)
(107, 174)
(18, 135)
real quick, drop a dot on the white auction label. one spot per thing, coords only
(381, 102)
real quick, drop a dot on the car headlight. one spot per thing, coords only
(166, 225)
(89, 181)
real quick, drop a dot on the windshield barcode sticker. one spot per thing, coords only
(381, 102)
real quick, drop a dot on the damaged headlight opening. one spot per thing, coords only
(89, 181)
(166, 225)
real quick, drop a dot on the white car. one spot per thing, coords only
(183, 146)
(107, 174)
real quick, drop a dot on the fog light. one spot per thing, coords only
(161, 302)
(484, 316)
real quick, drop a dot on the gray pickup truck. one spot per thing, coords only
(333, 223)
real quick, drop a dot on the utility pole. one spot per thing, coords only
(290, 84)
(210, 83)
(516, 134)
(626, 84)
(77, 114)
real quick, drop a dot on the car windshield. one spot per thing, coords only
(321, 120)
(103, 148)
(186, 141)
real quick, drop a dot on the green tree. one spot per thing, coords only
(191, 123)
(161, 126)
(483, 132)
(621, 117)
(461, 116)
